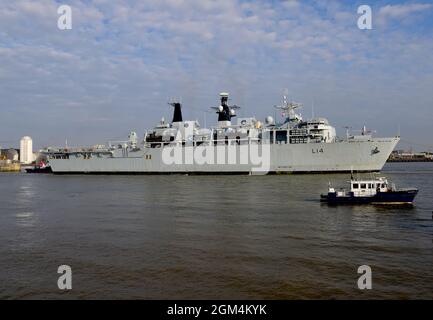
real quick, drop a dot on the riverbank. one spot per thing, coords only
(7, 166)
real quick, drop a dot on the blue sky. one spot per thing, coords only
(123, 60)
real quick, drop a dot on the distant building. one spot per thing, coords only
(403, 156)
(26, 150)
(12, 154)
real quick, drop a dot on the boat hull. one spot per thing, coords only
(39, 170)
(390, 197)
(343, 156)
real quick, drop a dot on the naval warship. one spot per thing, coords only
(247, 146)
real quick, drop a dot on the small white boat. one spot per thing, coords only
(373, 191)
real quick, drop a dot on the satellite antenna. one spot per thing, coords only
(312, 109)
(347, 131)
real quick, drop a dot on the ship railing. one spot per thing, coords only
(75, 150)
(114, 143)
(234, 141)
(67, 150)
(209, 142)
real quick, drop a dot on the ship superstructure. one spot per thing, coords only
(247, 146)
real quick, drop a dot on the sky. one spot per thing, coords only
(122, 61)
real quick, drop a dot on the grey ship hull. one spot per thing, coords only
(343, 156)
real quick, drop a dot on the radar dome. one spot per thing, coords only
(269, 120)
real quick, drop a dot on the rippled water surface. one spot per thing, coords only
(206, 237)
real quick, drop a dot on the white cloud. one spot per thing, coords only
(400, 12)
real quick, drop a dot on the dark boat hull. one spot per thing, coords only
(39, 170)
(391, 197)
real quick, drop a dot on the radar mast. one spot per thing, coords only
(225, 111)
(288, 110)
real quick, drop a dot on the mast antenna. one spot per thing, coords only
(312, 109)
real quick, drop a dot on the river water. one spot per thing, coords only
(211, 237)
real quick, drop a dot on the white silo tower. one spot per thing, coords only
(26, 150)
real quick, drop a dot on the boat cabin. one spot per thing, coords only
(368, 187)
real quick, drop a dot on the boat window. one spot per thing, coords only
(370, 186)
(355, 186)
(281, 136)
(363, 186)
(382, 185)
